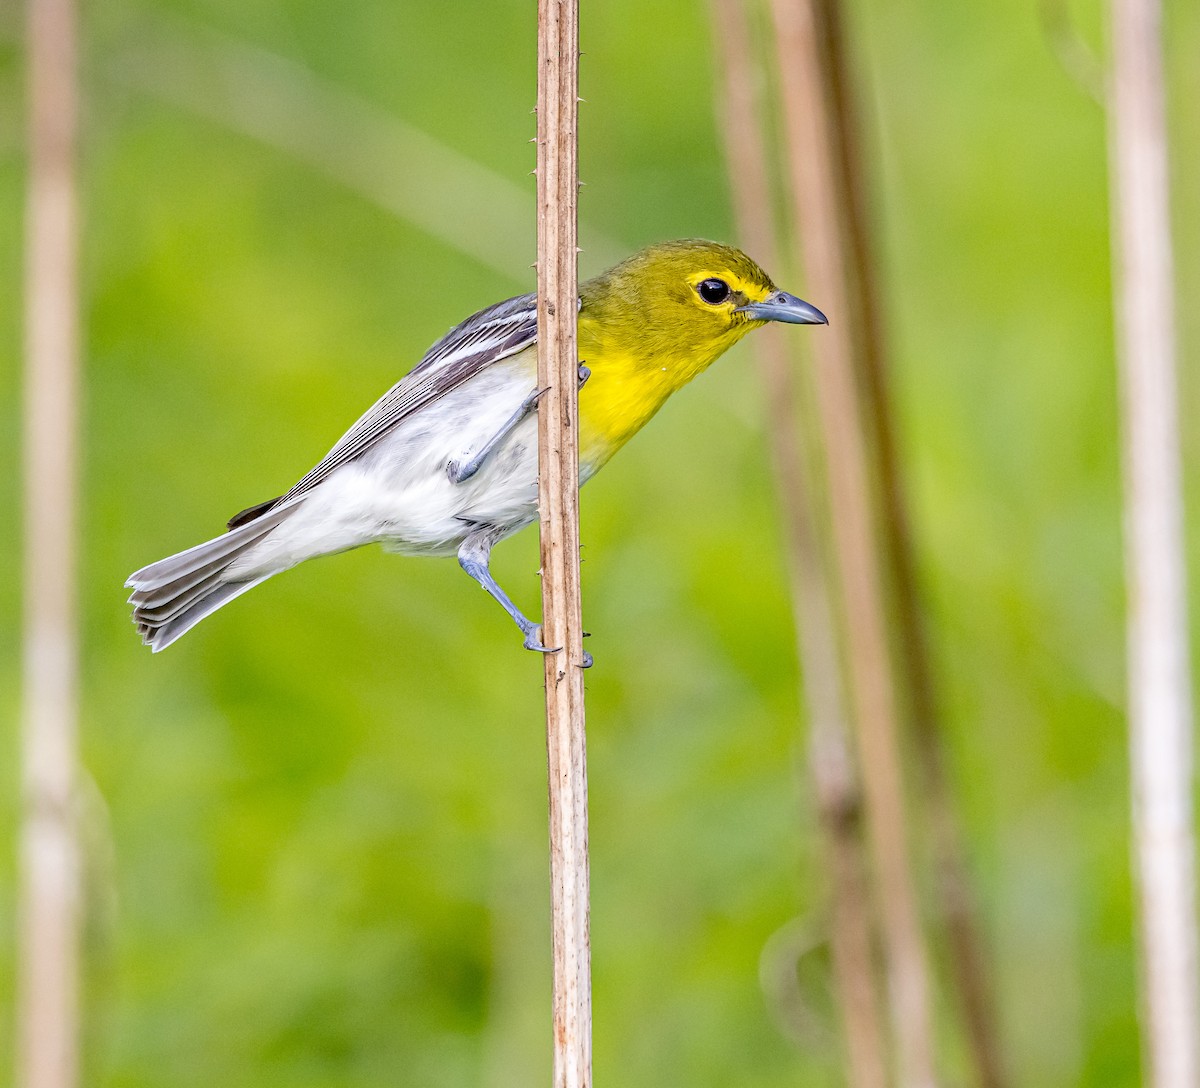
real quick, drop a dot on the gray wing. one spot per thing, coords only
(484, 338)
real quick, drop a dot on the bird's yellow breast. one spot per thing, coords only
(618, 400)
(627, 387)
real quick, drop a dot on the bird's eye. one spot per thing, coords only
(713, 291)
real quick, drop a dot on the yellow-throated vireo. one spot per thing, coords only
(446, 460)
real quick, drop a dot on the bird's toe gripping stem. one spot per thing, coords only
(533, 641)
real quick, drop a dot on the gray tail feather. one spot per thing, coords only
(173, 595)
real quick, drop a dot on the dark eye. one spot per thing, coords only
(713, 291)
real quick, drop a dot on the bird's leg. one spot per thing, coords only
(463, 469)
(473, 556)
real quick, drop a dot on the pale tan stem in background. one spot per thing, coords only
(558, 502)
(48, 936)
(812, 153)
(740, 107)
(956, 905)
(1160, 712)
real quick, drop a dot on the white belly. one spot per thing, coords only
(399, 493)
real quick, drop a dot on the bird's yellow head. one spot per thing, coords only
(653, 322)
(684, 303)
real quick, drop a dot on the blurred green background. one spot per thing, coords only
(318, 823)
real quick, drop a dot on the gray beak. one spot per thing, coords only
(784, 307)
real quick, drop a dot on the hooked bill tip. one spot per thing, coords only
(786, 308)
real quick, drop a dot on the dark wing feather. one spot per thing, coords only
(252, 513)
(484, 338)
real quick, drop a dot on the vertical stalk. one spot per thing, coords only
(47, 1034)
(812, 154)
(956, 905)
(740, 106)
(558, 501)
(1160, 710)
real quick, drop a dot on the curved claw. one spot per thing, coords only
(533, 641)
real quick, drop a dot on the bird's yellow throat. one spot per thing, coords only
(628, 384)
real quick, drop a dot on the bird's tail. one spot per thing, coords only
(173, 595)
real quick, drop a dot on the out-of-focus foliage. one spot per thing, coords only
(317, 831)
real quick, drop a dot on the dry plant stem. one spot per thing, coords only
(839, 801)
(558, 501)
(1159, 683)
(812, 154)
(955, 898)
(740, 105)
(47, 1031)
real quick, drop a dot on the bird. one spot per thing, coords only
(445, 462)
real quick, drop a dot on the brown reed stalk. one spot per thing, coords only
(1160, 710)
(812, 148)
(955, 897)
(740, 108)
(50, 870)
(558, 503)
